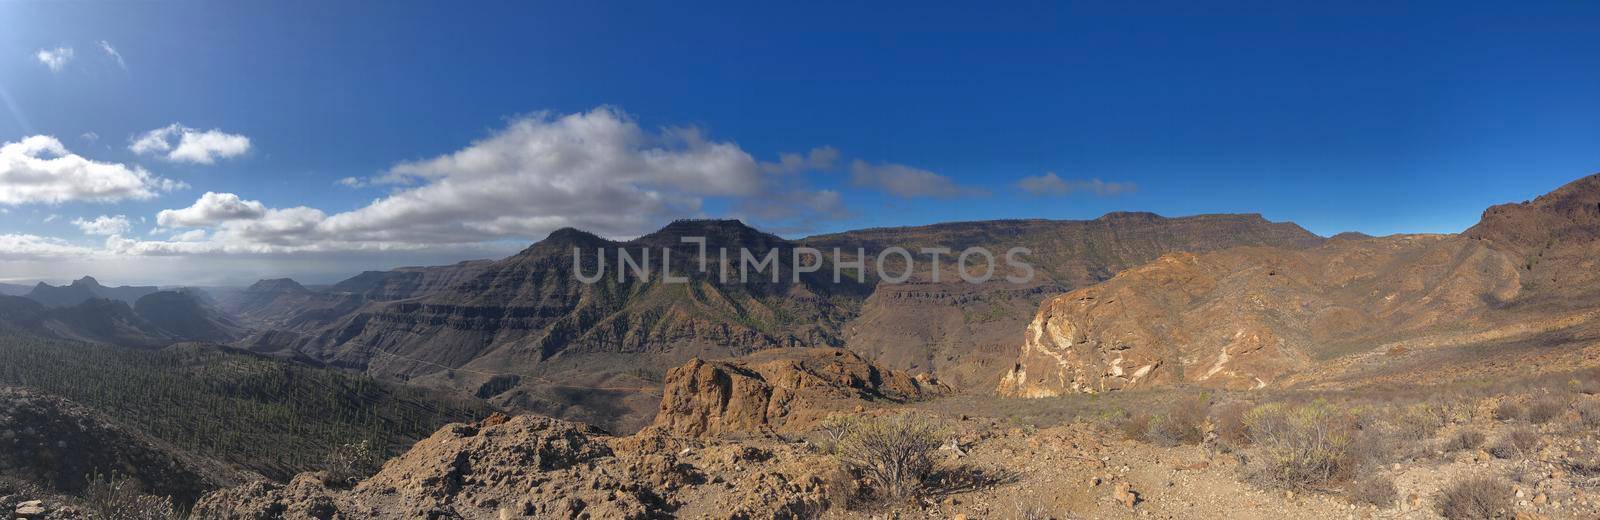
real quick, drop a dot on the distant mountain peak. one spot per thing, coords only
(723, 232)
(705, 224)
(87, 281)
(278, 285)
(1129, 215)
(571, 235)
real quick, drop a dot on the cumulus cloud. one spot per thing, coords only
(104, 225)
(55, 59)
(596, 170)
(39, 169)
(192, 145)
(210, 210)
(111, 52)
(1051, 184)
(907, 182)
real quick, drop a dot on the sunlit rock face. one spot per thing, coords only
(1255, 317)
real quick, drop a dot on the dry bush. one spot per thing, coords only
(1589, 414)
(1229, 419)
(119, 498)
(1546, 409)
(831, 431)
(1135, 427)
(841, 488)
(1182, 424)
(1517, 441)
(348, 463)
(1375, 490)
(1420, 422)
(1301, 446)
(1587, 382)
(1474, 498)
(895, 454)
(1509, 410)
(1585, 460)
(1466, 439)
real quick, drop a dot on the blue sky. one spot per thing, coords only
(1357, 116)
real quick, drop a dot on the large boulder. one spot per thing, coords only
(778, 389)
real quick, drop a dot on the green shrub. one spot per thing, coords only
(1420, 422)
(1301, 446)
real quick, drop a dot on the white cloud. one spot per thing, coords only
(907, 182)
(819, 159)
(210, 210)
(193, 235)
(90, 136)
(597, 170)
(39, 169)
(56, 59)
(106, 47)
(1052, 184)
(352, 182)
(104, 225)
(193, 146)
(19, 247)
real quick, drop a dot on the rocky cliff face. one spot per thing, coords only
(529, 318)
(1250, 317)
(967, 333)
(1556, 241)
(525, 333)
(1519, 291)
(778, 390)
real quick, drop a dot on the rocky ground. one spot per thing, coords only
(989, 467)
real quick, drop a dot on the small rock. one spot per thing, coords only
(30, 509)
(1125, 494)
